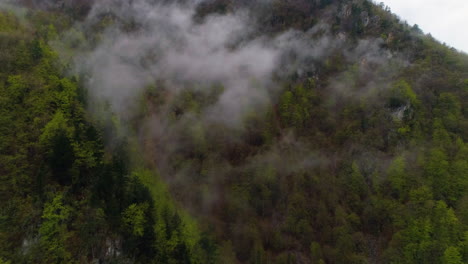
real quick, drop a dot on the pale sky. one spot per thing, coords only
(445, 20)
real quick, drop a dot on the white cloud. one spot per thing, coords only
(443, 19)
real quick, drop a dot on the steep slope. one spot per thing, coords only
(65, 198)
(291, 131)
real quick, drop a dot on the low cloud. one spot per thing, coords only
(162, 46)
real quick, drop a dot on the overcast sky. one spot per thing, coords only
(446, 20)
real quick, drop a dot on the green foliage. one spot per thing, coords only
(67, 199)
(56, 127)
(16, 89)
(398, 178)
(429, 230)
(53, 231)
(403, 91)
(2, 261)
(318, 176)
(8, 22)
(297, 105)
(448, 109)
(452, 256)
(134, 218)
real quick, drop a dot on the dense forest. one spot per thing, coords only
(229, 131)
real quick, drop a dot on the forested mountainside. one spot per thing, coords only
(224, 131)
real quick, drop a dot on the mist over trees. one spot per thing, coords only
(222, 131)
